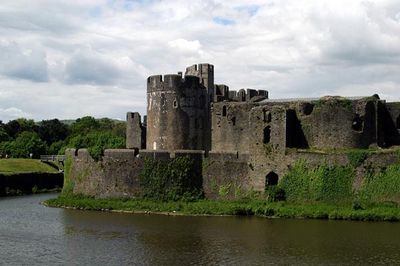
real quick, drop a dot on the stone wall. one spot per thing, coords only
(230, 126)
(135, 132)
(226, 174)
(117, 173)
(115, 176)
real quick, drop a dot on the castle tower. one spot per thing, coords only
(176, 112)
(205, 72)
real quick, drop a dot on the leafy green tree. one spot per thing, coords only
(57, 147)
(15, 127)
(52, 131)
(97, 142)
(3, 133)
(84, 125)
(25, 144)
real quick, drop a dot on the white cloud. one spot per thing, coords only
(72, 58)
(13, 113)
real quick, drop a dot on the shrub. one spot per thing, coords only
(323, 183)
(383, 187)
(170, 180)
(275, 193)
(357, 157)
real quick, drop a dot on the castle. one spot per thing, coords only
(242, 138)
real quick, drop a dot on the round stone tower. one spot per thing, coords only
(176, 111)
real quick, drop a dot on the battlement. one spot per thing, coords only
(171, 82)
(199, 68)
(246, 95)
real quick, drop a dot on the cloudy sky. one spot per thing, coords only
(67, 59)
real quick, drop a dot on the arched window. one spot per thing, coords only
(271, 179)
(224, 110)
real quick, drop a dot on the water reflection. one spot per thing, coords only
(33, 234)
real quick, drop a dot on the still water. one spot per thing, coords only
(36, 235)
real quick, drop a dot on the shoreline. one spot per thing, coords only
(27, 183)
(258, 208)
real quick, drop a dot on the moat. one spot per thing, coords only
(33, 234)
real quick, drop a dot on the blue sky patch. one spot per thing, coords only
(223, 21)
(251, 9)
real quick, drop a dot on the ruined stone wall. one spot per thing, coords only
(135, 132)
(117, 173)
(115, 176)
(176, 113)
(230, 126)
(389, 124)
(338, 123)
(226, 174)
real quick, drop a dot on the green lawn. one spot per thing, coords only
(15, 166)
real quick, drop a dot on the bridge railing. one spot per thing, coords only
(53, 158)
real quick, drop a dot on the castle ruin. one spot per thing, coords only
(240, 137)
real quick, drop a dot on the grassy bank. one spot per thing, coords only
(27, 176)
(248, 207)
(18, 166)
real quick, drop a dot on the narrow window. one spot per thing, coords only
(267, 135)
(175, 104)
(398, 122)
(233, 120)
(162, 100)
(224, 111)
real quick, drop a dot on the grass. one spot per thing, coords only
(256, 207)
(17, 166)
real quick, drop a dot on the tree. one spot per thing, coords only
(97, 142)
(3, 133)
(84, 125)
(15, 127)
(52, 131)
(25, 144)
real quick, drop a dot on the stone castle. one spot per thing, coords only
(241, 139)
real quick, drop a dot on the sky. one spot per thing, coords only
(67, 59)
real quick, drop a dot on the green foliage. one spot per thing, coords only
(383, 186)
(210, 207)
(275, 193)
(335, 102)
(25, 144)
(357, 157)
(3, 133)
(96, 142)
(56, 147)
(84, 125)
(170, 180)
(223, 190)
(85, 132)
(52, 131)
(68, 186)
(323, 183)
